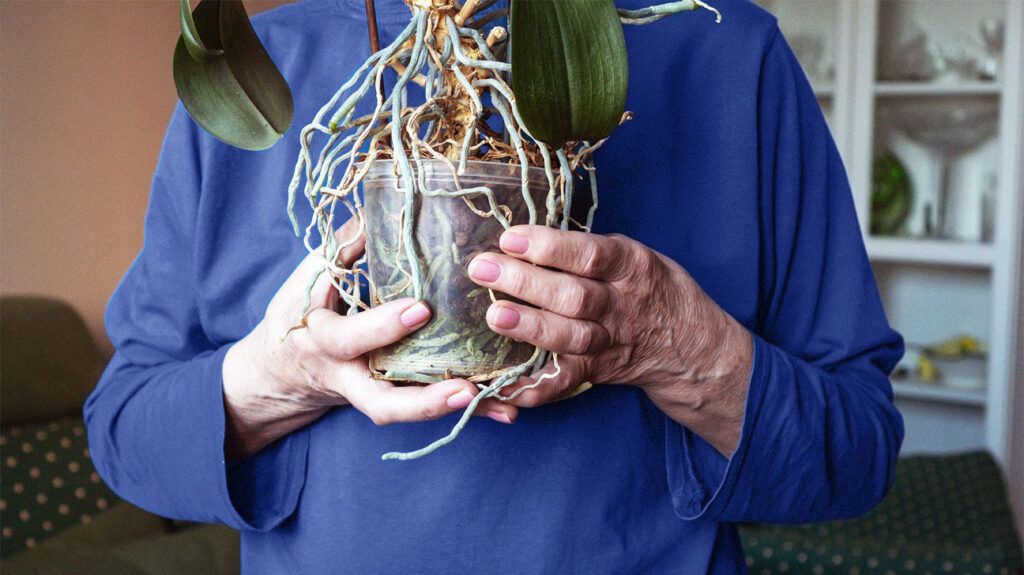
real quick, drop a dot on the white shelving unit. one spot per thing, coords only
(937, 89)
(933, 289)
(940, 394)
(943, 253)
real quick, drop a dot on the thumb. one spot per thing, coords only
(346, 337)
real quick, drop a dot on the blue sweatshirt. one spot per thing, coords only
(728, 168)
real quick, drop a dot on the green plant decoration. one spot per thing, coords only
(568, 93)
(892, 195)
(225, 78)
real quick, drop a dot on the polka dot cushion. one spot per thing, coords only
(48, 483)
(943, 515)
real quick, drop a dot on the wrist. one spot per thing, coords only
(711, 399)
(715, 350)
(259, 405)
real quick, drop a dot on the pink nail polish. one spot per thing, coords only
(460, 400)
(499, 417)
(503, 317)
(415, 315)
(484, 270)
(514, 243)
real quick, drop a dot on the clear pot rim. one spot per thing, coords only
(476, 170)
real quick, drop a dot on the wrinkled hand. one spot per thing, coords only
(616, 311)
(275, 383)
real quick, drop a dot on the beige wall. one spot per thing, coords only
(85, 95)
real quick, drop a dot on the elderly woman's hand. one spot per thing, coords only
(275, 383)
(616, 311)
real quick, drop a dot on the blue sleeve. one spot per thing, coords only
(820, 433)
(156, 418)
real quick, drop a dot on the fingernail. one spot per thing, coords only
(514, 243)
(503, 316)
(484, 270)
(460, 399)
(415, 315)
(500, 417)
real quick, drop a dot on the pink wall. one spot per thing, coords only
(85, 95)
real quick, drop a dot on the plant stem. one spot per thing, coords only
(371, 23)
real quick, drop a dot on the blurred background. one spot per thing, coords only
(925, 99)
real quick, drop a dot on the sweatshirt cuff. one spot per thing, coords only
(700, 479)
(261, 491)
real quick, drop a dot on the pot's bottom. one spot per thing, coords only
(403, 362)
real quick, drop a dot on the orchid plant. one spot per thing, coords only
(542, 94)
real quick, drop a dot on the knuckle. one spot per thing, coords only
(320, 339)
(542, 247)
(581, 341)
(598, 300)
(513, 280)
(336, 345)
(574, 301)
(535, 330)
(593, 257)
(644, 255)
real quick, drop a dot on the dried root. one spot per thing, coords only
(460, 70)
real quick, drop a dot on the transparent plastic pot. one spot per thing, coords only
(448, 233)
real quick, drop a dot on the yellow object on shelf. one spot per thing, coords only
(926, 371)
(964, 345)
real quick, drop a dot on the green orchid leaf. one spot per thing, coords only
(190, 35)
(569, 68)
(233, 90)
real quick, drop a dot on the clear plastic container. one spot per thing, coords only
(448, 234)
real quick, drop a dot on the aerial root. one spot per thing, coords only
(444, 53)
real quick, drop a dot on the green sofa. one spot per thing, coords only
(944, 514)
(56, 514)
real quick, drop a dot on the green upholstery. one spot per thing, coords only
(48, 361)
(944, 514)
(128, 541)
(56, 514)
(49, 483)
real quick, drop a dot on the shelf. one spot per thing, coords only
(938, 393)
(976, 88)
(935, 252)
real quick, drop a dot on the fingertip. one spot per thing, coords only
(500, 417)
(460, 399)
(497, 410)
(415, 315)
(483, 269)
(451, 388)
(502, 315)
(511, 411)
(514, 241)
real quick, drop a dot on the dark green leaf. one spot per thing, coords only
(569, 68)
(235, 92)
(190, 35)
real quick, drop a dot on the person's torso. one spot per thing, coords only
(576, 486)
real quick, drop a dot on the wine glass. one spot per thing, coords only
(950, 128)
